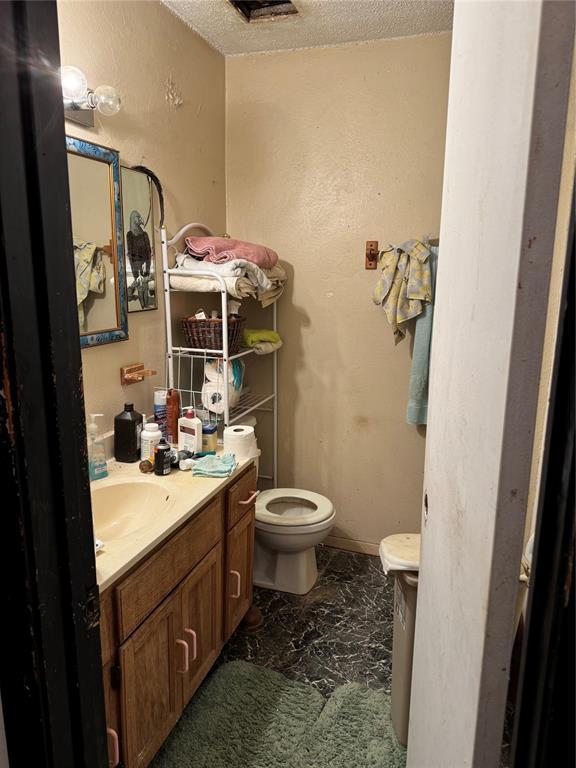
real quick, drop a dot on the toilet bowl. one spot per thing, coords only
(289, 524)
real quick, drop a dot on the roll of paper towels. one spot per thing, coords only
(213, 398)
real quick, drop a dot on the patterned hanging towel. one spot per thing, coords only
(405, 284)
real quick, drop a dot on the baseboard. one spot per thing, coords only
(351, 545)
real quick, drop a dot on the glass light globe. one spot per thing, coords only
(74, 83)
(106, 100)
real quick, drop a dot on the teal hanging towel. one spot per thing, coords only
(417, 411)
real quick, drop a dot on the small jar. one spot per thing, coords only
(209, 438)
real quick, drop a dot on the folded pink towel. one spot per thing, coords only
(219, 250)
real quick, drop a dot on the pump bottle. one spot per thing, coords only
(96, 452)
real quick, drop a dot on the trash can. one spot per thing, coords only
(400, 554)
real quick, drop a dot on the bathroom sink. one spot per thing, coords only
(124, 508)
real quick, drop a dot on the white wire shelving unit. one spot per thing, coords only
(185, 366)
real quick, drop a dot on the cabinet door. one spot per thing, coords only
(151, 684)
(202, 618)
(239, 560)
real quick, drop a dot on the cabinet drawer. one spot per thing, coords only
(239, 494)
(140, 593)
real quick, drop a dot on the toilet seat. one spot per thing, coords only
(292, 507)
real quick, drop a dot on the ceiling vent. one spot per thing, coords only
(264, 10)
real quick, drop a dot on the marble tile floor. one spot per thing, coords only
(339, 632)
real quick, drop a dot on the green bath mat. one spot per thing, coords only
(249, 717)
(354, 730)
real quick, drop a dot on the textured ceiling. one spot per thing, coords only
(318, 23)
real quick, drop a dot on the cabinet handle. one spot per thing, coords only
(194, 643)
(184, 644)
(250, 499)
(115, 759)
(238, 583)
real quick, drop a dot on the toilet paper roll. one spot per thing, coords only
(240, 440)
(240, 431)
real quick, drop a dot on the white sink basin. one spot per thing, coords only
(124, 508)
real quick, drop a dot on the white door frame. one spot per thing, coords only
(508, 94)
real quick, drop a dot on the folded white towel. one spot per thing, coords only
(239, 287)
(235, 268)
(229, 269)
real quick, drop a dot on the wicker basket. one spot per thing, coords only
(207, 334)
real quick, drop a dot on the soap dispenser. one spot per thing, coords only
(97, 468)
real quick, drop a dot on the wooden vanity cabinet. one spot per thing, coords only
(163, 625)
(140, 592)
(168, 656)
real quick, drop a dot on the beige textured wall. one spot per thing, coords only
(137, 46)
(327, 148)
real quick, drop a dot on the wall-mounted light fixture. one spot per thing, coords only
(81, 101)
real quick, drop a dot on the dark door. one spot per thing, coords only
(50, 668)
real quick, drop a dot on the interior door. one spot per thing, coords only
(201, 595)
(239, 562)
(500, 196)
(50, 668)
(152, 662)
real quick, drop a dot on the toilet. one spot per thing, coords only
(289, 524)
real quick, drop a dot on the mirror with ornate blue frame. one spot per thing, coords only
(96, 211)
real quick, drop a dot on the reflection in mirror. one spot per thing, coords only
(93, 173)
(92, 231)
(137, 204)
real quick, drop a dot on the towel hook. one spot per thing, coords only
(371, 261)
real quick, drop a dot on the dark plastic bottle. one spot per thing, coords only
(127, 431)
(162, 458)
